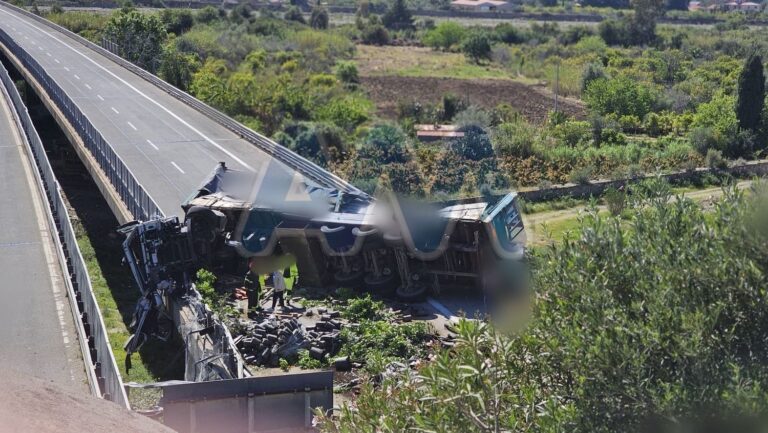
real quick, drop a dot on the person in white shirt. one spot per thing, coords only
(278, 292)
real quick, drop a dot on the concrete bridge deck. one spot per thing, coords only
(37, 334)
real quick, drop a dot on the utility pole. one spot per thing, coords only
(557, 82)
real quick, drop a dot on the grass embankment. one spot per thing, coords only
(556, 220)
(117, 296)
(422, 62)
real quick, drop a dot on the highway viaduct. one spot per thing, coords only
(147, 145)
(168, 145)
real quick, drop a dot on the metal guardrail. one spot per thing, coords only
(289, 158)
(100, 366)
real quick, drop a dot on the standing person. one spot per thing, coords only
(278, 292)
(252, 286)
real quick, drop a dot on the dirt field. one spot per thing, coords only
(533, 102)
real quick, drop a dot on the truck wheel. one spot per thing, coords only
(415, 293)
(348, 278)
(383, 285)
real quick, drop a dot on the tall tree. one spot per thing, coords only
(139, 36)
(751, 94)
(643, 25)
(398, 17)
(477, 47)
(319, 18)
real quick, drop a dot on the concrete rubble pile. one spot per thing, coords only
(265, 341)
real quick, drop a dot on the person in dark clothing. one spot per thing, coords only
(252, 287)
(278, 292)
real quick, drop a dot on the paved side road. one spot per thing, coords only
(37, 335)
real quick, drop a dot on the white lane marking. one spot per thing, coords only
(88, 87)
(26, 37)
(40, 48)
(177, 167)
(131, 125)
(66, 68)
(77, 76)
(113, 109)
(56, 60)
(48, 54)
(99, 96)
(153, 145)
(145, 96)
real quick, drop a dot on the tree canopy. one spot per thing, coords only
(636, 325)
(139, 37)
(398, 16)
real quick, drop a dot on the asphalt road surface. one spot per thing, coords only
(37, 335)
(169, 146)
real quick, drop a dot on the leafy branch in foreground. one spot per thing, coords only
(658, 317)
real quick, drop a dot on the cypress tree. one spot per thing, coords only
(751, 96)
(398, 17)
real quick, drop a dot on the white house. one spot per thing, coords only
(481, 5)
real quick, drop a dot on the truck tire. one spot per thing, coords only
(383, 285)
(348, 278)
(415, 293)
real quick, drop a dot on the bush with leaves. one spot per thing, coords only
(385, 144)
(177, 21)
(445, 35)
(620, 96)
(294, 14)
(139, 37)
(375, 34)
(319, 18)
(477, 46)
(656, 319)
(346, 72)
(398, 16)
(514, 139)
(474, 145)
(593, 71)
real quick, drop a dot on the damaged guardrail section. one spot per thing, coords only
(100, 366)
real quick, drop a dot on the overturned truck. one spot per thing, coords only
(352, 240)
(348, 239)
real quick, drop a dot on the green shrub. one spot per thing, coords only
(574, 132)
(306, 362)
(375, 34)
(319, 18)
(294, 14)
(514, 139)
(364, 308)
(619, 96)
(581, 176)
(592, 71)
(477, 46)
(445, 35)
(347, 72)
(715, 160)
(474, 145)
(615, 200)
(658, 320)
(391, 340)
